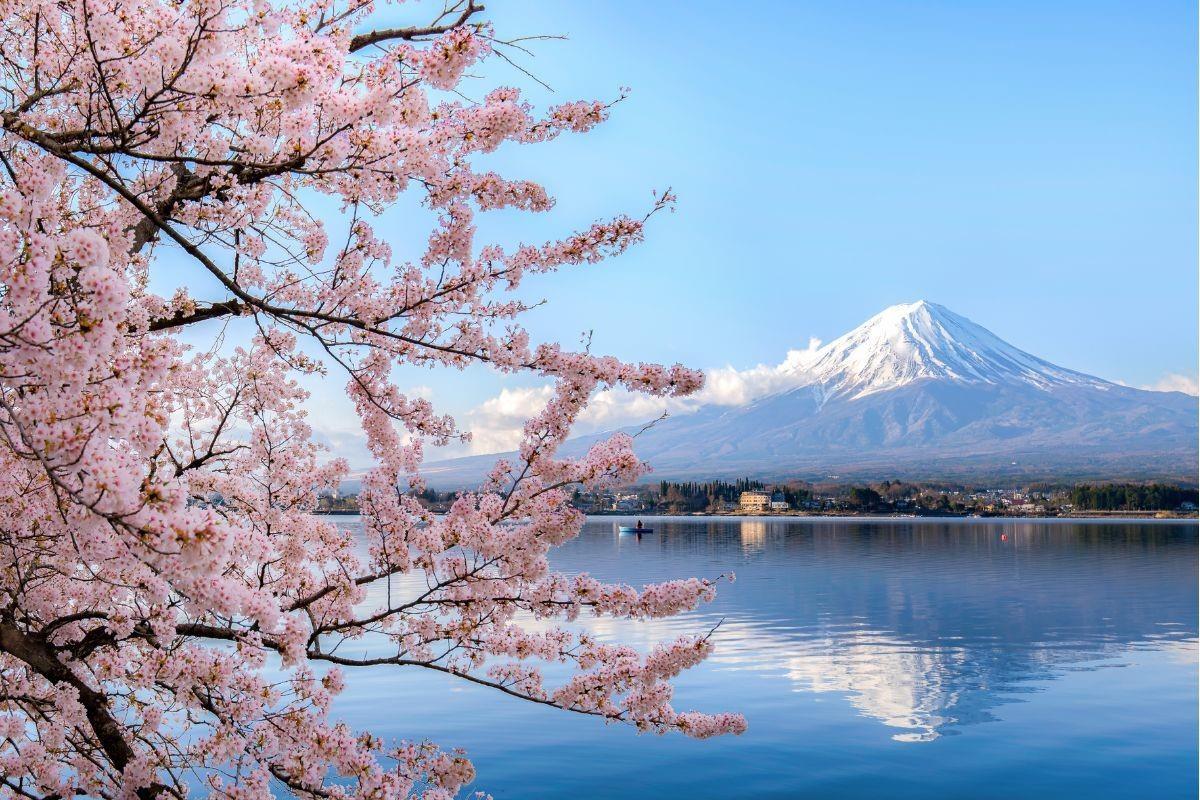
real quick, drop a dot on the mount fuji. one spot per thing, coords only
(920, 392)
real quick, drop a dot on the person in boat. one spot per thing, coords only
(639, 525)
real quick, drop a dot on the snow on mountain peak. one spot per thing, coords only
(918, 341)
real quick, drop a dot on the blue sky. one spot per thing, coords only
(1030, 165)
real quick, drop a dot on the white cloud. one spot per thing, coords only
(423, 392)
(732, 387)
(496, 424)
(1175, 382)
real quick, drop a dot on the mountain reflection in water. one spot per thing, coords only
(921, 629)
(928, 626)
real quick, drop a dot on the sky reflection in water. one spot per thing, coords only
(868, 656)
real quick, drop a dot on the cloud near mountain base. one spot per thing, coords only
(1175, 382)
(496, 423)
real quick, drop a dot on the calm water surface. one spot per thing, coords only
(872, 658)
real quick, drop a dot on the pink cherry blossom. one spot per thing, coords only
(161, 562)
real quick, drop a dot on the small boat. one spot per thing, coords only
(634, 529)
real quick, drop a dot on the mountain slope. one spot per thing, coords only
(924, 341)
(918, 391)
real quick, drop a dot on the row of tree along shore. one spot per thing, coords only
(798, 498)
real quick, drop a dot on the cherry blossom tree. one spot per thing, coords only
(161, 566)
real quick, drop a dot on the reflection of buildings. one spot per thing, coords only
(754, 535)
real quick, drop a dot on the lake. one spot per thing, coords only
(872, 658)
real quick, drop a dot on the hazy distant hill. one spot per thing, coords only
(918, 391)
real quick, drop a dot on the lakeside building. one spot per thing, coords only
(779, 502)
(630, 501)
(754, 502)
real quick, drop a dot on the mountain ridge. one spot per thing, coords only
(918, 391)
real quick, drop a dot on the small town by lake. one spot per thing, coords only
(871, 657)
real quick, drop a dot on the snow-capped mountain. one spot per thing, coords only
(918, 391)
(921, 341)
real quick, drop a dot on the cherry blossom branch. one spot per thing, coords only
(364, 40)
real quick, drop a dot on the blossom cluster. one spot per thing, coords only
(161, 562)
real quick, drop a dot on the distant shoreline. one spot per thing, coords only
(1095, 515)
(1135, 515)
